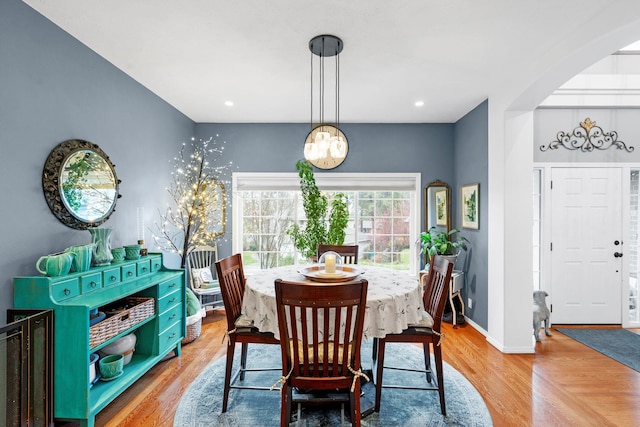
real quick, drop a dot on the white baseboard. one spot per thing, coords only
(499, 345)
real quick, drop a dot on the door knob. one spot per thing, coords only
(617, 242)
(617, 255)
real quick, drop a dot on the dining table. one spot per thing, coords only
(394, 298)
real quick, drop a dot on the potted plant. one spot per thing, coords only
(319, 228)
(435, 242)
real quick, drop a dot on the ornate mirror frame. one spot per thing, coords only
(57, 164)
(437, 206)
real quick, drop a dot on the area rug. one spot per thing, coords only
(201, 403)
(619, 344)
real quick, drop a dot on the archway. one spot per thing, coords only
(511, 162)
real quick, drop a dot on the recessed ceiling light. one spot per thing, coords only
(228, 103)
(419, 103)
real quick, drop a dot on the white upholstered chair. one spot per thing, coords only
(202, 277)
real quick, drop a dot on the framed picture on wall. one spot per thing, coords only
(470, 206)
(441, 207)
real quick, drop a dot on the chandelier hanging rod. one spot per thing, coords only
(325, 45)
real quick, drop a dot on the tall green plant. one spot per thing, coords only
(318, 228)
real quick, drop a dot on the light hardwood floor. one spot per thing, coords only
(564, 383)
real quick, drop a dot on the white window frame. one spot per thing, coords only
(282, 181)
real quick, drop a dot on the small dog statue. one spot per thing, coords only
(540, 313)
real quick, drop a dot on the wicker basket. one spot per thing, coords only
(194, 328)
(140, 309)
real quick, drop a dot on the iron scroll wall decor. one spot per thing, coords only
(587, 137)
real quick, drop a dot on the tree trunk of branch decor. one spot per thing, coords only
(197, 215)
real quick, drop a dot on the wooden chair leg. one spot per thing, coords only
(285, 409)
(379, 370)
(374, 351)
(227, 373)
(243, 360)
(437, 352)
(354, 404)
(427, 361)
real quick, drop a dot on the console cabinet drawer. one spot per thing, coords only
(90, 282)
(128, 271)
(111, 276)
(65, 289)
(170, 337)
(169, 317)
(169, 286)
(143, 267)
(156, 263)
(170, 300)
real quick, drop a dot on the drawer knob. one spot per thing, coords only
(67, 291)
(113, 278)
(93, 284)
(129, 273)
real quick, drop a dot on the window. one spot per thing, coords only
(384, 217)
(634, 244)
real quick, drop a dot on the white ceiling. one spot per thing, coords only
(197, 54)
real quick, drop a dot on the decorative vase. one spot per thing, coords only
(102, 249)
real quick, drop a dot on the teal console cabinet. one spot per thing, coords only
(73, 296)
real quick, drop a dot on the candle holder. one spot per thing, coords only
(331, 260)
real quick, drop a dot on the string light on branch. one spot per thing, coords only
(197, 188)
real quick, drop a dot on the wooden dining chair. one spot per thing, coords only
(320, 329)
(427, 332)
(349, 253)
(239, 329)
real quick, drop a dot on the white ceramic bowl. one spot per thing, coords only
(124, 346)
(92, 367)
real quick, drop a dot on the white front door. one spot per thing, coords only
(586, 245)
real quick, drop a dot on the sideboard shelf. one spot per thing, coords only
(72, 297)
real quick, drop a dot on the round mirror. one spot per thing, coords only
(80, 184)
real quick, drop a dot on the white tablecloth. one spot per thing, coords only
(394, 299)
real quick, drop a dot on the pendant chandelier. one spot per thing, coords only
(326, 146)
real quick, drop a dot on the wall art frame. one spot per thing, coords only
(470, 206)
(441, 207)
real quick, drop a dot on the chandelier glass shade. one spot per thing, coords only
(326, 145)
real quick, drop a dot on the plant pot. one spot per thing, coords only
(451, 258)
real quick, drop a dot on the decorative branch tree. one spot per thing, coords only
(198, 192)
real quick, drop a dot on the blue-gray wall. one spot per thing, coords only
(470, 163)
(54, 88)
(423, 148)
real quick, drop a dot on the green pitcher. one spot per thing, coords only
(82, 257)
(56, 264)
